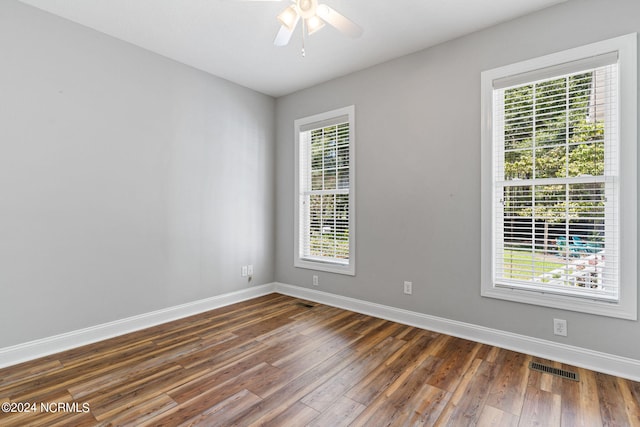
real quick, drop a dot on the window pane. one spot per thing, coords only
(343, 178)
(343, 156)
(550, 112)
(518, 165)
(316, 180)
(517, 201)
(330, 179)
(316, 157)
(315, 224)
(554, 235)
(342, 226)
(587, 159)
(580, 97)
(518, 117)
(551, 162)
(330, 156)
(329, 226)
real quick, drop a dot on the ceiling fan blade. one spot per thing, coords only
(338, 21)
(283, 36)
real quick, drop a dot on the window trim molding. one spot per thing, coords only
(626, 308)
(299, 126)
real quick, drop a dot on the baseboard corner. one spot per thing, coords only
(31, 350)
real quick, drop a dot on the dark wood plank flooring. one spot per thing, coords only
(281, 361)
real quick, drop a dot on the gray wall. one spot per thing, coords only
(418, 175)
(128, 182)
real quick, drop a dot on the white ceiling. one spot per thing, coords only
(233, 39)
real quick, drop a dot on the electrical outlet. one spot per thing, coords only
(244, 271)
(560, 327)
(408, 288)
(250, 270)
(315, 280)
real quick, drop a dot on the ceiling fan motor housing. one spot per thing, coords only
(307, 8)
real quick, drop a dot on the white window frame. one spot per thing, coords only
(626, 306)
(323, 120)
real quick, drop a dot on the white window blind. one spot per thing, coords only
(325, 192)
(556, 182)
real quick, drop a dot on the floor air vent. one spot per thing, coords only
(554, 371)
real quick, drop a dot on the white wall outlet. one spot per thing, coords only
(244, 271)
(408, 288)
(315, 280)
(250, 270)
(560, 327)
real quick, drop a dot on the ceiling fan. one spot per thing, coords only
(314, 16)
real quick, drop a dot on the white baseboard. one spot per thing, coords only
(571, 355)
(57, 343)
(576, 356)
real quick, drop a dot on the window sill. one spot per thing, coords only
(348, 269)
(583, 305)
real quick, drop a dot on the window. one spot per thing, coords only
(324, 214)
(559, 180)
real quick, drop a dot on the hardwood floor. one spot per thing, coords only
(281, 361)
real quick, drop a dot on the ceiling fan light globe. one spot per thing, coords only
(289, 17)
(313, 24)
(323, 10)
